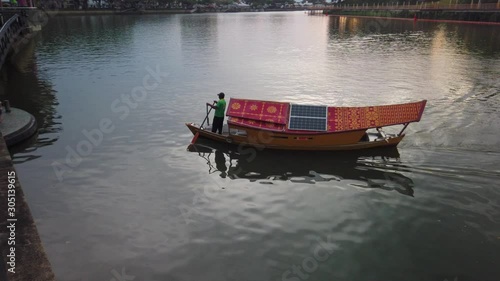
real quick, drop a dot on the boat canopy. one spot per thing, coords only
(275, 116)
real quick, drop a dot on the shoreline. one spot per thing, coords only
(96, 12)
(418, 20)
(491, 17)
(23, 254)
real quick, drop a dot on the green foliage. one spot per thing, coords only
(223, 2)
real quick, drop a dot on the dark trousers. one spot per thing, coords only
(217, 124)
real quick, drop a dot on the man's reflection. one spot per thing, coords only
(220, 163)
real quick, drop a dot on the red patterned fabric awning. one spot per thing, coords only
(273, 116)
(265, 111)
(358, 118)
(256, 124)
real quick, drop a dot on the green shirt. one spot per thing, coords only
(221, 107)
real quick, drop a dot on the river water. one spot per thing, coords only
(137, 205)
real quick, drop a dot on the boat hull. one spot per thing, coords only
(288, 141)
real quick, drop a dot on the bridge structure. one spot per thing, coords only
(16, 24)
(11, 34)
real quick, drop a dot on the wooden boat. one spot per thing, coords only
(281, 125)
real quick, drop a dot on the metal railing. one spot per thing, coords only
(11, 32)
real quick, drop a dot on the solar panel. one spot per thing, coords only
(309, 124)
(308, 117)
(308, 110)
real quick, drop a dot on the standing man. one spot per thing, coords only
(220, 107)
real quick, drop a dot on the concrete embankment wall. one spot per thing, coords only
(472, 16)
(23, 256)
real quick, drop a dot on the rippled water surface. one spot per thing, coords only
(138, 202)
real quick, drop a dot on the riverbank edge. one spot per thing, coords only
(478, 17)
(31, 261)
(96, 12)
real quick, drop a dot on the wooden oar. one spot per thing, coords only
(204, 120)
(206, 117)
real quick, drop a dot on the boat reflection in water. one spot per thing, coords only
(373, 168)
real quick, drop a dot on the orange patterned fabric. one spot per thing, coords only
(358, 118)
(265, 111)
(256, 124)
